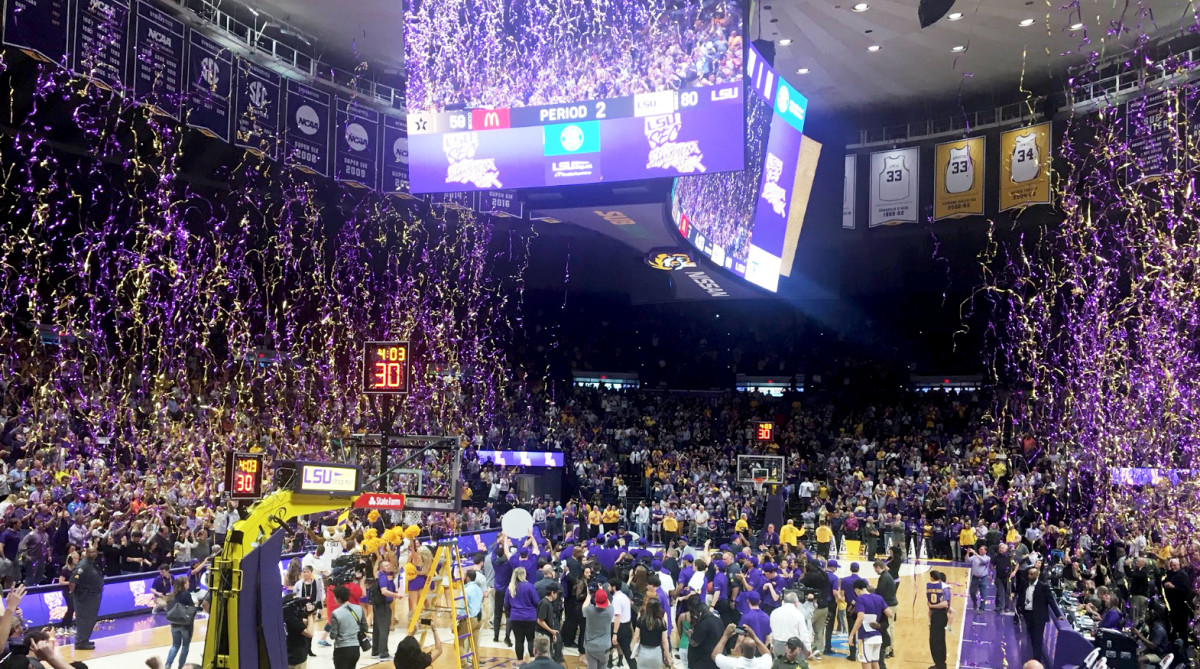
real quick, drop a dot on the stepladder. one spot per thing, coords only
(444, 597)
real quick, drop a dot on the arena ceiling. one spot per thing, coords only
(831, 40)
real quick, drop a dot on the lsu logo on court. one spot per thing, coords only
(669, 259)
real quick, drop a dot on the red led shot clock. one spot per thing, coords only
(244, 475)
(764, 431)
(385, 367)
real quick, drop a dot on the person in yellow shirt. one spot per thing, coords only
(966, 538)
(788, 535)
(670, 528)
(824, 538)
(1013, 536)
(742, 526)
(610, 518)
(594, 522)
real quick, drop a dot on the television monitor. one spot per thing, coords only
(740, 220)
(532, 93)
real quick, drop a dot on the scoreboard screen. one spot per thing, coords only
(244, 476)
(501, 95)
(741, 220)
(385, 367)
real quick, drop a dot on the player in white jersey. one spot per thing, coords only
(895, 181)
(960, 171)
(1026, 161)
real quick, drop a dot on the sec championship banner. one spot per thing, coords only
(209, 86)
(256, 109)
(958, 179)
(848, 192)
(894, 178)
(1025, 167)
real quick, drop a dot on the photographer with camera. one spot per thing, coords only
(751, 652)
(296, 612)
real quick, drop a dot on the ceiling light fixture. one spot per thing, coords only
(1076, 26)
(803, 70)
(955, 16)
(958, 49)
(873, 48)
(1025, 23)
(784, 42)
(861, 7)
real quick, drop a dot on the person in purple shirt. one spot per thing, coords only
(849, 592)
(522, 600)
(771, 591)
(686, 571)
(721, 581)
(10, 538)
(769, 537)
(655, 582)
(755, 618)
(870, 611)
(502, 571)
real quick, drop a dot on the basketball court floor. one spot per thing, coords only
(980, 638)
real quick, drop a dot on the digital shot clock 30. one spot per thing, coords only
(244, 476)
(385, 367)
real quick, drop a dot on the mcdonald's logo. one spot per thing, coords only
(489, 119)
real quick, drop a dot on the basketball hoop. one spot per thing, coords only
(759, 481)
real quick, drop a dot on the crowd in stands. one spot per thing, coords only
(542, 52)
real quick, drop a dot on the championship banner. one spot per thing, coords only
(357, 132)
(502, 203)
(958, 179)
(461, 200)
(101, 41)
(1149, 132)
(894, 178)
(209, 86)
(848, 191)
(38, 27)
(1025, 155)
(306, 139)
(393, 172)
(256, 109)
(158, 43)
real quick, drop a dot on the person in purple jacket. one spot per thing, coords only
(755, 618)
(870, 613)
(502, 571)
(522, 600)
(771, 591)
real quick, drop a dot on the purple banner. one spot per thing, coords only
(307, 121)
(1148, 130)
(101, 41)
(159, 42)
(393, 173)
(256, 109)
(503, 203)
(463, 200)
(209, 85)
(37, 26)
(522, 458)
(357, 144)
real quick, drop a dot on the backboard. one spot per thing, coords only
(424, 468)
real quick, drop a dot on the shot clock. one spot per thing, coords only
(244, 475)
(385, 367)
(764, 431)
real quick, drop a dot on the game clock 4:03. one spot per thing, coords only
(385, 367)
(244, 476)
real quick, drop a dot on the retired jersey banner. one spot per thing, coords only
(39, 27)
(357, 129)
(209, 86)
(958, 179)
(256, 109)
(1025, 167)
(101, 41)
(849, 192)
(158, 52)
(894, 178)
(307, 119)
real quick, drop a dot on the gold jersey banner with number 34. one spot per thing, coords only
(1025, 155)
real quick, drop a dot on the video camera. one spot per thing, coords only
(343, 569)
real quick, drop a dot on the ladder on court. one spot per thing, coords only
(445, 577)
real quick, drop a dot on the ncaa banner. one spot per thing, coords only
(393, 170)
(461, 200)
(158, 44)
(502, 203)
(1025, 167)
(357, 132)
(306, 134)
(101, 41)
(849, 191)
(894, 178)
(1150, 131)
(38, 27)
(209, 86)
(256, 109)
(958, 179)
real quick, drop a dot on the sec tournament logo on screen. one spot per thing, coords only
(665, 152)
(772, 192)
(460, 148)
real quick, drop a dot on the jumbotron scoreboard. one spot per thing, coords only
(660, 134)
